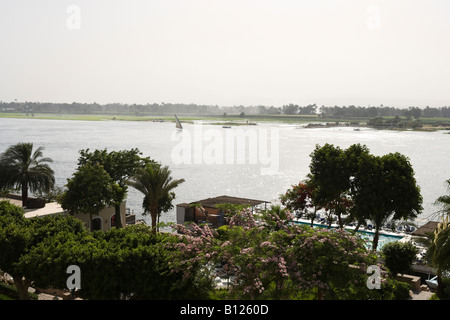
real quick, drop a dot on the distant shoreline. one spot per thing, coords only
(427, 124)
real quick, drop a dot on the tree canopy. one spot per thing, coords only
(329, 111)
(89, 190)
(120, 165)
(385, 188)
(19, 235)
(363, 186)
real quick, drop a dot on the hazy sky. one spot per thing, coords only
(227, 52)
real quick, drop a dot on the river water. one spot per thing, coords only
(211, 159)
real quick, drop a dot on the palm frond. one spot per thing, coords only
(20, 167)
(156, 184)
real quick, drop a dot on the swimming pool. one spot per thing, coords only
(366, 235)
(382, 240)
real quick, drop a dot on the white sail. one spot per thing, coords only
(178, 125)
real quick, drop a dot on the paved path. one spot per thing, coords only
(420, 295)
(45, 296)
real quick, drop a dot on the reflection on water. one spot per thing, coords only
(62, 139)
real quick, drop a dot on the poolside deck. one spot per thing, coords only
(384, 232)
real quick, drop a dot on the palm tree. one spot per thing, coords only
(444, 201)
(438, 253)
(21, 168)
(156, 183)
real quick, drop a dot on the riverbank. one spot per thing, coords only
(307, 121)
(232, 118)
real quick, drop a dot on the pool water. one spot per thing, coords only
(382, 240)
(368, 236)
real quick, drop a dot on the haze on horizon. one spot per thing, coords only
(233, 52)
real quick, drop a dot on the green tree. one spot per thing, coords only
(355, 153)
(14, 241)
(330, 174)
(156, 183)
(415, 112)
(89, 191)
(384, 188)
(366, 186)
(290, 109)
(121, 166)
(18, 237)
(399, 256)
(20, 167)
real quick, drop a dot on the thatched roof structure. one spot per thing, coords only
(426, 229)
(212, 202)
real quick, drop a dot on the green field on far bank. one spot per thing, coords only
(166, 117)
(170, 117)
(427, 123)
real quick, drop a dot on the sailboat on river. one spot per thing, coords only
(178, 123)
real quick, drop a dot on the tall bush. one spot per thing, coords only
(399, 256)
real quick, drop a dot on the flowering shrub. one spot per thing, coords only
(195, 247)
(328, 259)
(273, 258)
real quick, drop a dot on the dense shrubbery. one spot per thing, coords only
(273, 259)
(121, 263)
(399, 256)
(269, 258)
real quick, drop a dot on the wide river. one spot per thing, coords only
(212, 161)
